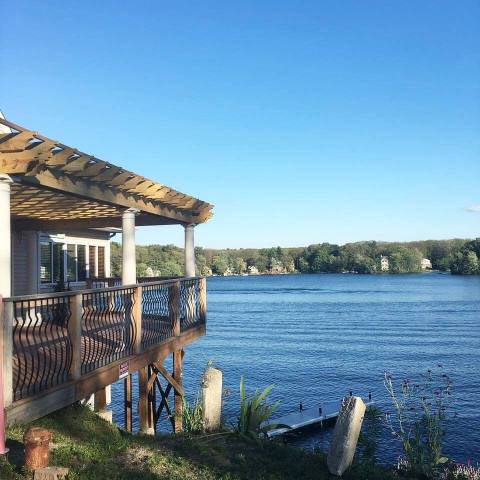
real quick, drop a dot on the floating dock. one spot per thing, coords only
(306, 417)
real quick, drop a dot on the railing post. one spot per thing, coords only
(75, 333)
(202, 301)
(6, 351)
(137, 318)
(174, 308)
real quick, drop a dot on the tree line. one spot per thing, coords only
(458, 256)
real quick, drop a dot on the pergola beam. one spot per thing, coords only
(44, 162)
(83, 223)
(89, 190)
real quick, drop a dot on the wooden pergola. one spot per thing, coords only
(58, 348)
(59, 186)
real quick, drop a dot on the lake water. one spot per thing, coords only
(316, 337)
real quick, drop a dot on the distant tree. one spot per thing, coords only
(465, 263)
(142, 269)
(219, 264)
(302, 265)
(360, 257)
(171, 268)
(405, 260)
(239, 266)
(115, 259)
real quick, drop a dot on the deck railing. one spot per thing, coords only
(50, 339)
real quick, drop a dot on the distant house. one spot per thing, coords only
(426, 264)
(384, 264)
(149, 272)
(253, 270)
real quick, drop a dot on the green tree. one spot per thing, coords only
(465, 263)
(405, 260)
(219, 264)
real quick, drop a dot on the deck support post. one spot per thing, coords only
(129, 267)
(189, 250)
(101, 402)
(174, 303)
(5, 237)
(177, 398)
(127, 384)
(143, 409)
(152, 427)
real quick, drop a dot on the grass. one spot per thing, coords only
(93, 449)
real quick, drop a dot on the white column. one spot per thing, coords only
(189, 251)
(129, 265)
(33, 264)
(5, 237)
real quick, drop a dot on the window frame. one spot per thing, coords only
(65, 243)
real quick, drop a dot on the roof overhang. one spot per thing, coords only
(60, 186)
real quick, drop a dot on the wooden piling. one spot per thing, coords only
(178, 399)
(143, 399)
(128, 413)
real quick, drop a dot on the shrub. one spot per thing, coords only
(192, 415)
(254, 411)
(418, 421)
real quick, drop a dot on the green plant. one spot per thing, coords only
(418, 422)
(369, 435)
(192, 415)
(254, 411)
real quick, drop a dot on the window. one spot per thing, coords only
(92, 257)
(101, 262)
(51, 262)
(71, 263)
(81, 263)
(45, 262)
(68, 262)
(58, 263)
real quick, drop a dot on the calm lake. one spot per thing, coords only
(316, 337)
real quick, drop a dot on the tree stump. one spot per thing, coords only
(345, 435)
(36, 440)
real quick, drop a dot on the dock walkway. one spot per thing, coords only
(303, 418)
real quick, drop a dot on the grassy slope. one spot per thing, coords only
(93, 449)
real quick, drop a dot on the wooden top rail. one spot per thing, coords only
(72, 293)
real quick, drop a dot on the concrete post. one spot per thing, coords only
(189, 251)
(211, 399)
(129, 266)
(345, 435)
(5, 237)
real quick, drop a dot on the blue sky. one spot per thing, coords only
(302, 121)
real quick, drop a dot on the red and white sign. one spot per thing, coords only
(123, 370)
